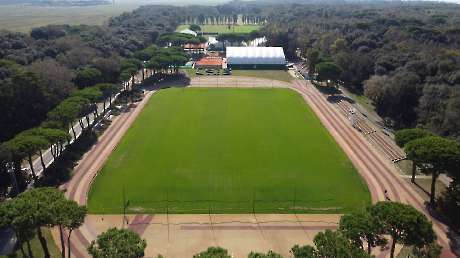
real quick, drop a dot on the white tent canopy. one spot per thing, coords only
(255, 56)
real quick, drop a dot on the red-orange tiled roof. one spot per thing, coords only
(209, 61)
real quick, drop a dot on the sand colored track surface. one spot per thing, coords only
(184, 235)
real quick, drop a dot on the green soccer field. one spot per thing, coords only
(200, 150)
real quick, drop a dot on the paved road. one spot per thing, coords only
(378, 172)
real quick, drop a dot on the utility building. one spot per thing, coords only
(256, 57)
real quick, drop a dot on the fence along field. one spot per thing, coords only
(200, 150)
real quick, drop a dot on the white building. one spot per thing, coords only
(256, 57)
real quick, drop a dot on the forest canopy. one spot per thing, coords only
(405, 57)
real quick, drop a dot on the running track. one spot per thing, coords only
(376, 170)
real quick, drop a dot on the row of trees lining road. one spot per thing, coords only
(32, 210)
(357, 234)
(434, 156)
(53, 133)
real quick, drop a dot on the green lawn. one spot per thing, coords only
(223, 28)
(228, 151)
(280, 75)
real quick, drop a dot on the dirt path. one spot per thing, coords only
(183, 235)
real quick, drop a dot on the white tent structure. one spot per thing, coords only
(256, 57)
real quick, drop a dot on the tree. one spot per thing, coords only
(93, 95)
(54, 138)
(313, 58)
(68, 215)
(109, 68)
(57, 78)
(305, 251)
(213, 252)
(14, 213)
(330, 244)
(26, 145)
(41, 202)
(118, 243)
(361, 227)
(435, 155)
(66, 113)
(432, 250)
(169, 58)
(82, 106)
(22, 101)
(195, 27)
(449, 203)
(87, 76)
(41, 207)
(334, 244)
(404, 136)
(404, 224)
(177, 39)
(107, 90)
(28, 212)
(270, 254)
(328, 71)
(130, 66)
(9, 160)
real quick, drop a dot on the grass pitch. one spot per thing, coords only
(200, 150)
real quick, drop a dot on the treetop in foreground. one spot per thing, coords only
(115, 242)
